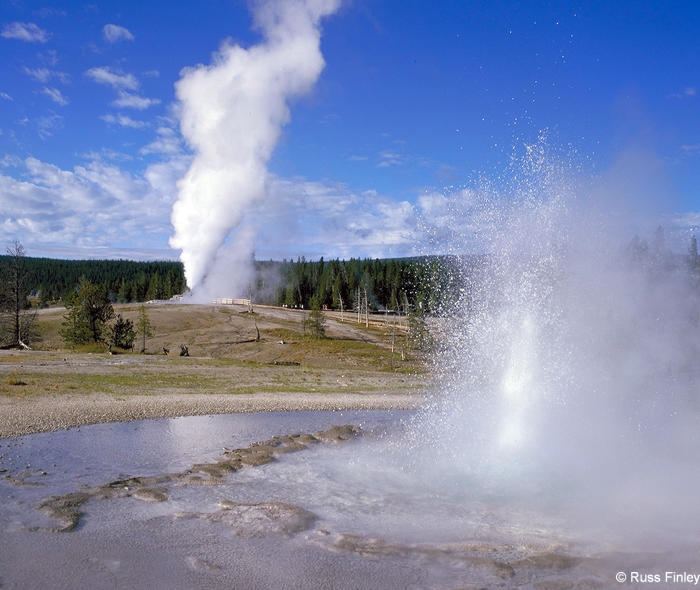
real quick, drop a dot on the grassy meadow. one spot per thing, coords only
(227, 356)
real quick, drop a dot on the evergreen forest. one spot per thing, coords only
(52, 280)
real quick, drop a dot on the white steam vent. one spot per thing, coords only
(231, 115)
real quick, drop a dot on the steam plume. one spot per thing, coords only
(231, 115)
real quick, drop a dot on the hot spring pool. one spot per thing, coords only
(349, 514)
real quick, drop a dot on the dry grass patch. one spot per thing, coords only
(226, 357)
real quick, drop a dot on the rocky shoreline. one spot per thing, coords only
(19, 417)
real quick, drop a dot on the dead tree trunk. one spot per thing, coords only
(366, 309)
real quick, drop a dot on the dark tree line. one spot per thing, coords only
(123, 280)
(427, 284)
(431, 284)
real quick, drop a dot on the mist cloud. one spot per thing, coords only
(231, 115)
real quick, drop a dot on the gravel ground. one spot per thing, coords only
(48, 413)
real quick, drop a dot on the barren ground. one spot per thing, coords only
(229, 369)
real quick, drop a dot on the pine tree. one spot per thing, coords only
(418, 334)
(44, 297)
(121, 334)
(143, 327)
(168, 284)
(394, 301)
(154, 288)
(134, 292)
(315, 324)
(290, 297)
(89, 310)
(124, 292)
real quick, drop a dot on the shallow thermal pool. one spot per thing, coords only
(334, 514)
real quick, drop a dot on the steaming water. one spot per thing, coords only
(571, 385)
(378, 526)
(382, 522)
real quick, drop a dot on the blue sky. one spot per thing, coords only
(416, 99)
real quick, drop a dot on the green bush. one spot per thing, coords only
(122, 334)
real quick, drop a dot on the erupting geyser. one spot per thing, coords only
(571, 379)
(231, 115)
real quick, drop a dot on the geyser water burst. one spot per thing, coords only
(571, 377)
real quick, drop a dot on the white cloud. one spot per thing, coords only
(113, 33)
(302, 217)
(124, 121)
(44, 75)
(105, 75)
(388, 159)
(168, 142)
(133, 101)
(10, 161)
(55, 95)
(106, 154)
(5, 96)
(688, 92)
(25, 32)
(50, 57)
(38, 74)
(690, 149)
(94, 208)
(122, 83)
(99, 209)
(48, 125)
